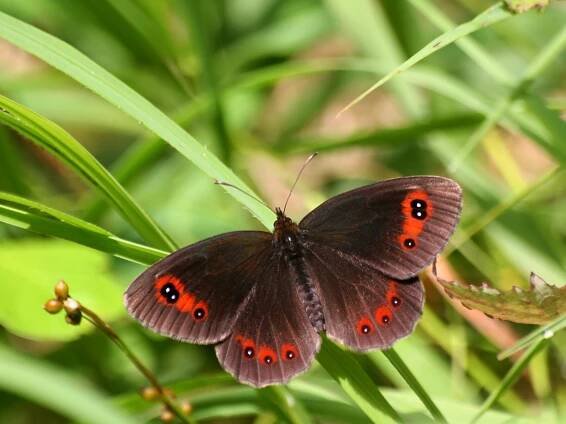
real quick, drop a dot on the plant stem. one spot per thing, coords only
(98, 322)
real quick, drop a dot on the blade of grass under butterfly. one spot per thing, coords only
(79, 67)
(414, 384)
(343, 367)
(510, 378)
(492, 15)
(41, 219)
(61, 144)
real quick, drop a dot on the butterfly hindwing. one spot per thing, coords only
(197, 293)
(396, 226)
(363, 309)
(272, 339)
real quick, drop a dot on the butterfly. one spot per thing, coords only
(348, 268)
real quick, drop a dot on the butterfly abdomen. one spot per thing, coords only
(288, 240)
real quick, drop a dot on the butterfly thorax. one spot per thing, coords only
(287, 240)
(286, 235)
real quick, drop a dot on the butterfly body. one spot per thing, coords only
(349, 268)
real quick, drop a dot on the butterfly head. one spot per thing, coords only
(284, 228)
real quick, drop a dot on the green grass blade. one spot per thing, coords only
(546, 57)
(472, 48)
(61, 144)
(492, 15)
(344, 368)
(544, 332)
(383, 136)
(56, 389)
(41, 219)
(414, 384)
(79, 67)
(511, 377)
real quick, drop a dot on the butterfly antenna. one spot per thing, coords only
(311, 157)
(224, 183)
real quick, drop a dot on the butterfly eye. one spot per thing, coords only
(170, 293)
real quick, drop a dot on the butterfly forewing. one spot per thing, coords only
(396, 226)
(272, 340)
(197, 293)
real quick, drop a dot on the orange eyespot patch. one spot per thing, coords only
(393, 298)
(364, 326)
(247, 345)
(289, 352)
(267, 356)
(170, 291)
(416, 209)
(383, 315)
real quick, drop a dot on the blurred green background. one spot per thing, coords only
(259, 84)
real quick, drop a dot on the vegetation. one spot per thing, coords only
(116, 118)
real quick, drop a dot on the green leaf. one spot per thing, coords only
(41, 219)
(414, 384)
(344, 368)
(61, 144)
(539, 304)
(25, 289)
(522, 6)
(492, 15)
(545, 332)
(510, 378)
(56, 389)
(79, 67)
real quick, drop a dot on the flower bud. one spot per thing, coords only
(150, 393)
(74, 317)
(71, 305)
(167, 416)
(61, 290)
(186, 407)
(53, 306)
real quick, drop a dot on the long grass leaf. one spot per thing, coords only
(414, 384)
(492, 15)
(510, 378)
(41, 219)
(79, 67)
(56, 389)
(62, 145)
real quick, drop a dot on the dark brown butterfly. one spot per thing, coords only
(349, 268)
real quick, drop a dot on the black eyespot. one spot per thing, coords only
(199, 313)
(385, 319)
(395, 301)
(409, 243)
(418, 214)
(170, 293)
(268, 360)
(418, 204)
(249, 352)
(366, 329)
(290, 354)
